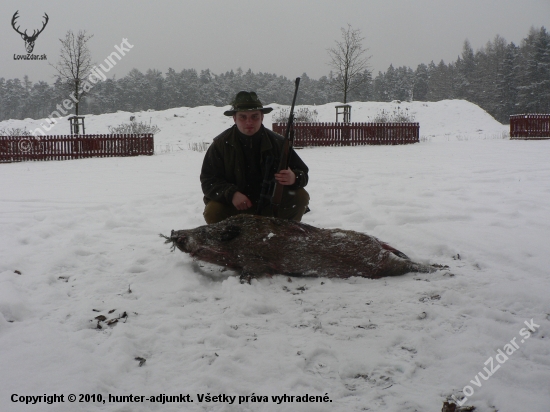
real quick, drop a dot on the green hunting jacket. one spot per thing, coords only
(223, 168)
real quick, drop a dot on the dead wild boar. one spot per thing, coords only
(258, 246)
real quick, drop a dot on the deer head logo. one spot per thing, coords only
(29, 40)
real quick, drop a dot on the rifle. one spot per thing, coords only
(277, 194)
(285, 155)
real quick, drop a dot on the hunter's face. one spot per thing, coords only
(249, 123)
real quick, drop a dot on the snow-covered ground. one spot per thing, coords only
(180, 127)
(79, 239)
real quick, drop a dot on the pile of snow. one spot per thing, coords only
(443, 120)
(80, 240)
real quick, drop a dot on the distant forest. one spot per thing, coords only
(501, 77)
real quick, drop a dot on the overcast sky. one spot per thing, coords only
(277, 36)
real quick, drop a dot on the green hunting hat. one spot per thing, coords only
(245, 102)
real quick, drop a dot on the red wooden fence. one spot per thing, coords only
(21, 148)
(351, 134)
(530, 126)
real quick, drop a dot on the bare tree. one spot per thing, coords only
(75, 63)
(349, 61)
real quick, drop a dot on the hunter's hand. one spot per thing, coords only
(286, 177)
(241, 202)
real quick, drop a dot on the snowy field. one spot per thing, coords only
(80, 239)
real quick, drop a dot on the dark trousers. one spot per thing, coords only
(293, 206)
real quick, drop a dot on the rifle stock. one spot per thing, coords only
(285, 154)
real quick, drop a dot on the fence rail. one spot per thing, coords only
(530, 126)
(23, 148)
(352, 134)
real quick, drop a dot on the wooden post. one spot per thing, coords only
(77, 122)
(346, 112)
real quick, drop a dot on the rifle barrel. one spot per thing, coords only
(285, 153)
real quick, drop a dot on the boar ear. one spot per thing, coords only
(230, 232)
(394, 251)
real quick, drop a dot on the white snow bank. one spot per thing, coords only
(439, 121)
